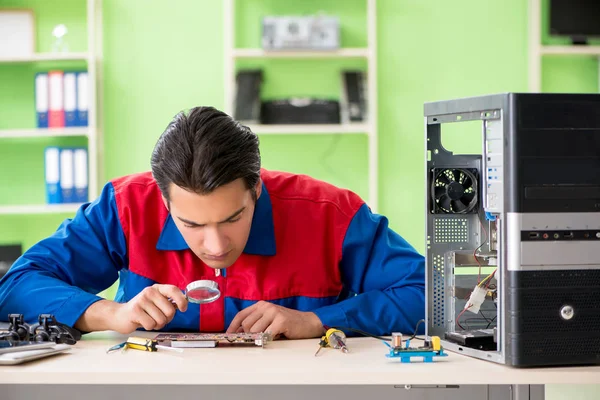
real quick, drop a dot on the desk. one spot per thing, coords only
(283, 362)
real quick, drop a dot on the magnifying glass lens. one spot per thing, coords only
(204, 291)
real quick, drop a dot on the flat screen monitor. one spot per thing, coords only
(577, 19)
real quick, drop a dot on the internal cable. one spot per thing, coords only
(480, 246)
(487, 279)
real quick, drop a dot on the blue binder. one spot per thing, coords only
(70, 98)
(67, 177)
(41, 99)
(80, 161)
(52, 172)
(82, 98)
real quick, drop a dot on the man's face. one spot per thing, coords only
(215, 226)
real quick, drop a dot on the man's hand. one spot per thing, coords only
(277, 320)
(151, 309)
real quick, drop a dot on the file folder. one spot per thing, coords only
(56, 113)
(70, 98)
(81, 175)
(67, 176)
(82, 98)
(52, 172)
(41, 99)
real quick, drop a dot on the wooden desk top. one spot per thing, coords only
(281, 362)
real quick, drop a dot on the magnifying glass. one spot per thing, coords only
(202, 291)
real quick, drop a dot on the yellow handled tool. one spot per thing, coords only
(140, 343)
(333, 338)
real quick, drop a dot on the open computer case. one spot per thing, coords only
(513, 233)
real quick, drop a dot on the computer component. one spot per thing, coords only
(301, 33)
(214, 339)
(300, 111)
(454, 190)
(513, 233)
(482, 339)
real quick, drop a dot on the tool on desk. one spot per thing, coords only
(399, 348)
(202, 291)
(333, 338)
(48, 329)
(116, 347)
(431, 348)
(144, 344)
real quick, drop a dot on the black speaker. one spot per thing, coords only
(355, 95)
(247, 98)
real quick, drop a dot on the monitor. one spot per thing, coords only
(577, 19)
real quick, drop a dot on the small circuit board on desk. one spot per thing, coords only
(432, 348)
(213, 339)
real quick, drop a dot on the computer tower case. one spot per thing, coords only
(513, 233)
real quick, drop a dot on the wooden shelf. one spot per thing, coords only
(70, 208)
(45, 57)
(293, 129)
(365, 54)
(44, 132)
(571, 49)
(340, 53)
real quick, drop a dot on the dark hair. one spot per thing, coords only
(204, 149)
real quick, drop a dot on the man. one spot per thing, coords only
(289, 253)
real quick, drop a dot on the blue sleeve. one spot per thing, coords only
(383, 277)
(62, 274)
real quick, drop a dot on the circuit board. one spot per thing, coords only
(258, 339)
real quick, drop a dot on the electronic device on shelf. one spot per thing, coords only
(300, 33)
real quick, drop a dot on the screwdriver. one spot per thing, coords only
(140, 343)
(144, 344)
(333, 338)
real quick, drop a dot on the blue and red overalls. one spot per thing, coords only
(312, 247)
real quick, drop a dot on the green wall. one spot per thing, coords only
(163, 56)
(159, 59)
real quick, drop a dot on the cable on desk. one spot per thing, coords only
(343, 328)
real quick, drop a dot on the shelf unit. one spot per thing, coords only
(46, 57)
(93, 59)
(369, 53)
(298, 129)
(70, 208)
(37, 132)
(340, 53)
(537, 50)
